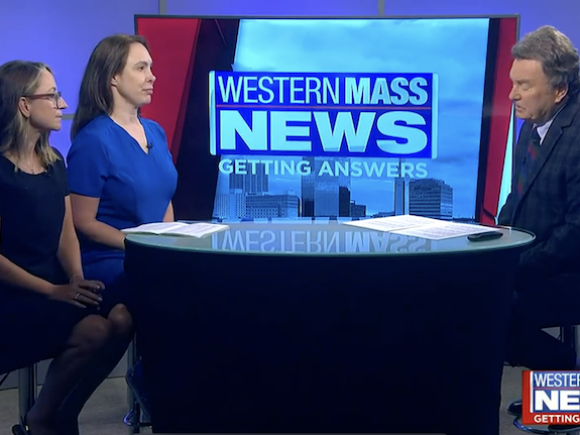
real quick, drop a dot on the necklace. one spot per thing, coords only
(30, 168)
(24, 164)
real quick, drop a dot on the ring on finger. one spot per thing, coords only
(77, 296)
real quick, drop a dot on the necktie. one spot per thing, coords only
(528, 162)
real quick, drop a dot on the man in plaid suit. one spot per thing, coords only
(545, 197)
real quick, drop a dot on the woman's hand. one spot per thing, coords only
(79, 292)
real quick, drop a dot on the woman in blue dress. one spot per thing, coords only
(121, 173)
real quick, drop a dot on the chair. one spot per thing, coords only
(27, 387)
(27, 390)
(568, 335)
(138, 415)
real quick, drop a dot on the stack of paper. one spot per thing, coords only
(198, 229)
(419, 226)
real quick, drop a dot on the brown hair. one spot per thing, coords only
(17, 79)
(555, 52)
(107, 60)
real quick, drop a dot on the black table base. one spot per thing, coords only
(234, 343)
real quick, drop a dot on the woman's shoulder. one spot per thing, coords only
(57, 152)
(101, 124)
(152, 126)
(93, 135)
(6, 166)
(58, 165)
(150, 122)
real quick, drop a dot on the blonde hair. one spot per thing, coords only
(19, 78)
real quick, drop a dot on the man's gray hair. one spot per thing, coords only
(555, 52)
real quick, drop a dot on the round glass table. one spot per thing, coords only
(322, 327)
(324, 238)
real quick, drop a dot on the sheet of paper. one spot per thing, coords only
(197, 229)
(392, 223)
(444, 230)
(155, 228)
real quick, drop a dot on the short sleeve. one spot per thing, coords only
(156, 127)
(88, 165)
(1, 194)
(4, 168)
(59, 172)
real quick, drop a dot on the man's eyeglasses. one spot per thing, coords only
(56, 97)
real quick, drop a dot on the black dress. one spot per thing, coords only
(32, 209)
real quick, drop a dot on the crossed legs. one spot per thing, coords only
(92, 351)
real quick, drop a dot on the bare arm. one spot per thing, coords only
(16, 276)
(69, 253)
(84, 211)
(169, 215)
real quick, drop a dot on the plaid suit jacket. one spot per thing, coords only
(550, 202)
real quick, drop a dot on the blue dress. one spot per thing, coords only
(134, 188)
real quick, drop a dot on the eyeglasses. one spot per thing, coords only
(56, 97)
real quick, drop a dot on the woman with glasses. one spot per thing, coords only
(47, 308)
(121, 173)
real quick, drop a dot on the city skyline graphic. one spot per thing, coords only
(443, 188)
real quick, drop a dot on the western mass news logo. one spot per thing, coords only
(391, 115)
(551, 397)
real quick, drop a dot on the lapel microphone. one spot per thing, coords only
(149, 146)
